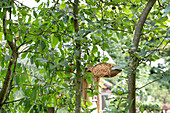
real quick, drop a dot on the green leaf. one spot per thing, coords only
(18, 65)
(65, 19)
(115, 39)
(32, 59)
(20, 70)
(163, 19)
(20, 102)
(95, 49)
(16, 79)
(127, 108)
(7, 57)
(1, 33)
(70, 95)
(40, 6)
(29, 19)
(118, 1)
(105, 59)
(34, 93)
(42, 71)
(106, 45)
(43, 45)
(27, 105)
(24, 55)
(48, 2)
(166, 77)
(34, 13)
(85, 57)
(121, 35)
(155, 57)
(37, 1)
(62, 6)
(89, 80)
(54, 41)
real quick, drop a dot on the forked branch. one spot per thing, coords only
(149, 83)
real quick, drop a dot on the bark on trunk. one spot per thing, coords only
(135, 61)
(78, 63)
(5, 89)
(50, 109)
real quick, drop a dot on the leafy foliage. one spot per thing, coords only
(44, 41)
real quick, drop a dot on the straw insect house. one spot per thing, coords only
(103, 70)
(100, 70)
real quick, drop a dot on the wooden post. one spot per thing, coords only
(85, 87)
(50, 109)
(98, 96)
(84, 90)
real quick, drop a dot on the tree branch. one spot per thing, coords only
(166, 44)
(12, 61)
(52, 32)
(13, 101)
(149, 83)
(160, 4)
(9, 72)
(119, 30)
(71, 2)
(86, 34)
(24, 43)
(10, 87)
(158, 50)
(119, 103)
(152, 51)
(55, 4)
(146, 32)
(27, 50)
(141, 22)
(22, 4)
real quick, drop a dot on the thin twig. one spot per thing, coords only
(13, 101)
(24, 43)
(22, 4)
(27, 50)
(166, 44)
(160, 4)
(59, 69)
(119, 30)
(156, 47)
(71, 2)
(149, 83)
(55, 4)
(16, 85)
(38, 78)
(60, 33)
(119, 103)
(146, 32)
(157, 50)
(86, 34)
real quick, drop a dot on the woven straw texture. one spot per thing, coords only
(103, 70)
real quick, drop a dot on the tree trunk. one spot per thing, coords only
(78, 58)
(50, 109)
(5, 91)
(135, 61)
